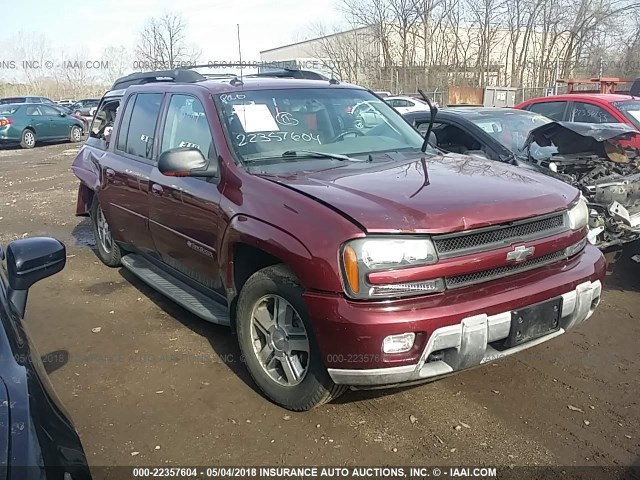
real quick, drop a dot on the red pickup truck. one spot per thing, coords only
(343, 255)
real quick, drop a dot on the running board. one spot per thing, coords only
(178, 291)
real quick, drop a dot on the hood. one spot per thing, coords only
(572, 137)
(432, 194)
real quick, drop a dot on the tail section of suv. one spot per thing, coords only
(342, 253)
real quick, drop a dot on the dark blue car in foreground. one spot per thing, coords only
(37, 438)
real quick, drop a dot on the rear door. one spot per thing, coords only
(184, 211)
(126, 169)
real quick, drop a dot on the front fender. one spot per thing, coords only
(314, 273)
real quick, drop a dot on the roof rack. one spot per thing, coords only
(187, 74)
(178, 75)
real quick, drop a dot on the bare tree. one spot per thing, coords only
(163, 43)
(117, 62)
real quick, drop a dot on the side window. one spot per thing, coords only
(187, 126)
(103, 122)
(124, 124)
(143, 124)
(49, 111)
(588, 113)
(410, 104)
(33, 111)
(552, 110)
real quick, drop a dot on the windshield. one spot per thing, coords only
(264, 124)
(511, 129)
(631, 110)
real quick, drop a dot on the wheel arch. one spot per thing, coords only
(250, 244)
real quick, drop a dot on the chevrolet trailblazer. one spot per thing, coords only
(342, 254)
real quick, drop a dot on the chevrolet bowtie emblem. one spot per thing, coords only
(520, 253)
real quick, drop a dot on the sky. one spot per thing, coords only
(89, 27)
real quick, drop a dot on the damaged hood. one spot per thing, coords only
(572, 137)
(436, 194)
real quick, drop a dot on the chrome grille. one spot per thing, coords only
(483, 239)
(486, 275)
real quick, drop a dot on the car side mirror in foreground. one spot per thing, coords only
(28, 261)
(186, 162)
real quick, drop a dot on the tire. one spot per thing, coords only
(313, 386)
(108, 250)
(76, 134)
(28, 138)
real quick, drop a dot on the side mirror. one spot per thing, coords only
(29, 261)
(186, 162)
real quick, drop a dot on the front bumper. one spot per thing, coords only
(467, 344)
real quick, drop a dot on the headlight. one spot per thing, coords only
(578, 215)
(365, 255)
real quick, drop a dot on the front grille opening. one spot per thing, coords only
(503, 271)
(485, 239)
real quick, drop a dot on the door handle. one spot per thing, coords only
(111, 174)
(157, 189)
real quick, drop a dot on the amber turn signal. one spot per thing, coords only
(352, 274)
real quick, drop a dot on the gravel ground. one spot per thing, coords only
(155, 385)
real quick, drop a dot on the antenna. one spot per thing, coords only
(239, 49)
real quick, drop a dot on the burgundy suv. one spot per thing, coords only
(342, 255)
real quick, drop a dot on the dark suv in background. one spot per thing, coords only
(342, 254)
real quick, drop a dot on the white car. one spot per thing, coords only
(407, 104)
(365, 115)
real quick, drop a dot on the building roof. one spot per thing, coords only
(315, 39)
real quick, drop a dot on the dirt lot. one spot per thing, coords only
(158, 386)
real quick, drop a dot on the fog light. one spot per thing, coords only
(398, 343)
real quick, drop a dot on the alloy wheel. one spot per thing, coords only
(104, 232)
(280, 340)
(29, 138)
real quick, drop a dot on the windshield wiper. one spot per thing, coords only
(311, 154)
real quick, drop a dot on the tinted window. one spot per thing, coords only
(588, 113)
(187, 126)
(143, 124)
(553, 110)
(124, 125)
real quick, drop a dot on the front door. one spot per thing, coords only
(59, 125)
(184, 212)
